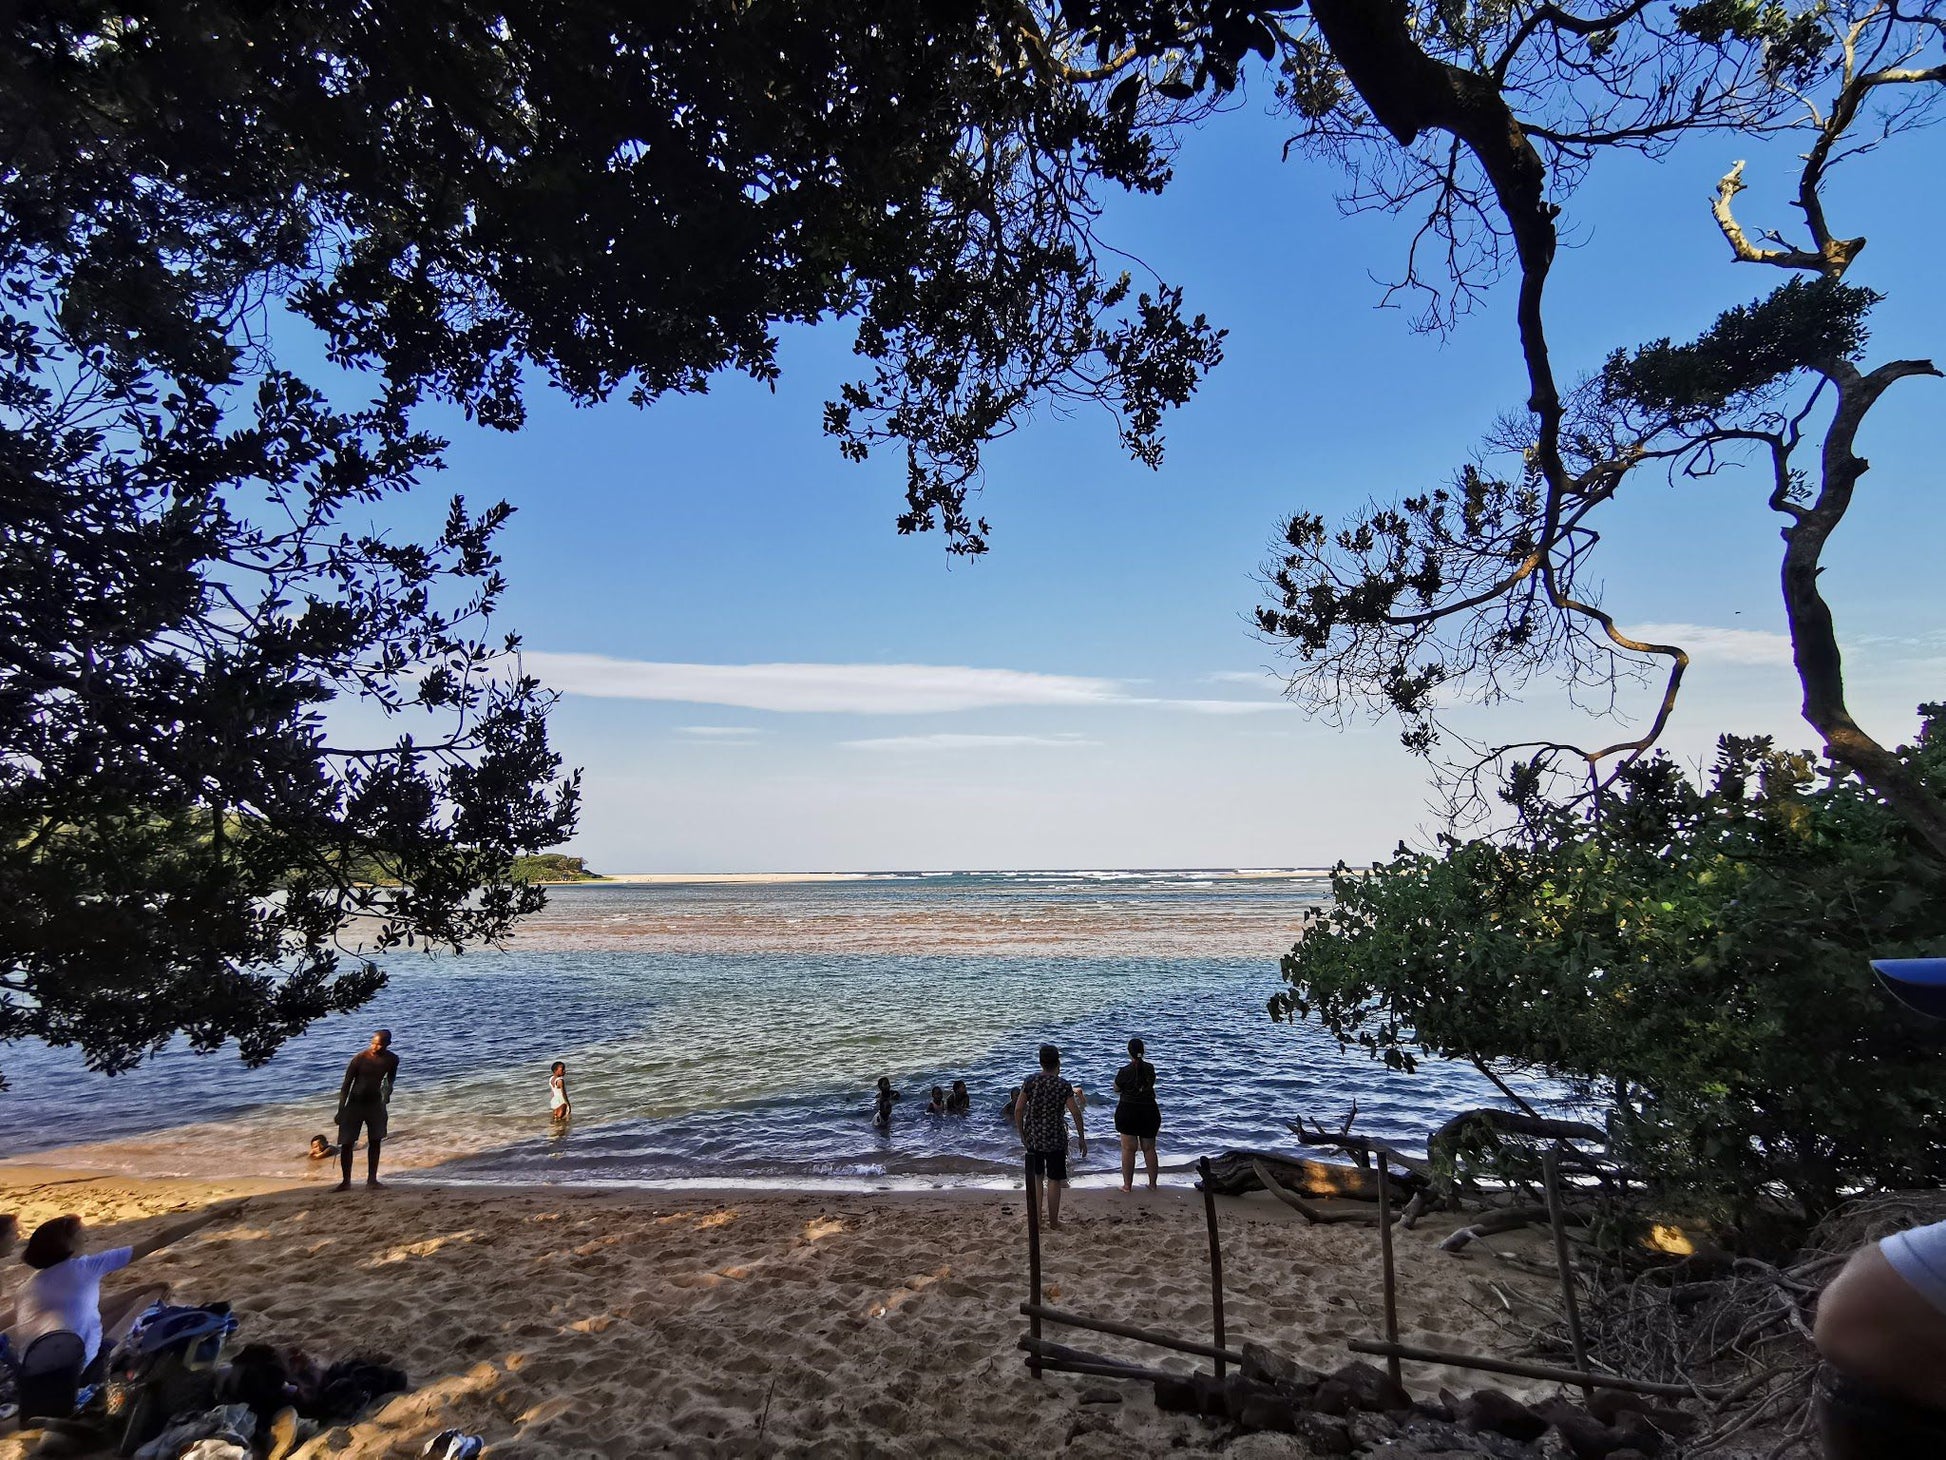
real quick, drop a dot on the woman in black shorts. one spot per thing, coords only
(1137, 1117)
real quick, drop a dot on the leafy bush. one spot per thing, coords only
(1700, 951)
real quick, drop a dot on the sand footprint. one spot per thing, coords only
(906, 1292)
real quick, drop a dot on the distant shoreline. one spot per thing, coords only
(1228, 874)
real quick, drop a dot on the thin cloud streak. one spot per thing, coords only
(851, 689)
(1705, 641)
(1219, 707)
(947, 741)
(719, 732)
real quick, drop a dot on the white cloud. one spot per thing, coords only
(719, 732)
(867, 689)
(964, 742)
(1220, 707)
(1241, 676)
(854, 689)
(1703, 641)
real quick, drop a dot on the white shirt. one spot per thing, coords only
(67, 1297)
(1919, 1256)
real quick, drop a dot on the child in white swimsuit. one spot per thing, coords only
(557, 1092)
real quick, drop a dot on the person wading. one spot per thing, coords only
(1040, 1115)
(362, 1099)
(1138, 1118)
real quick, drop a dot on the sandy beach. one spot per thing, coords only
(566, 1322)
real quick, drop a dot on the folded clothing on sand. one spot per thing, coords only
(453, 1445)
(233, 1425)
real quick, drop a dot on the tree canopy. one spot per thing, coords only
(463, 203)
(460, 202)
(1480, 119)
(1483, 117)
(1702, 948)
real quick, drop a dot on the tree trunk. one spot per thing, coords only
(1814, 637)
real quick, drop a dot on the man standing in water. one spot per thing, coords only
(1040, 1115)
(362, 1099)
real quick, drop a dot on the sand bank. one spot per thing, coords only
(562, 1322)
(758, 879)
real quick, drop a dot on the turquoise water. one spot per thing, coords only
(734, 1032)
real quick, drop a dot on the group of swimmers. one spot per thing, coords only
(955, 1101)
(1039, 1107)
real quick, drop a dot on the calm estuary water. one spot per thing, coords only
(733, 1031)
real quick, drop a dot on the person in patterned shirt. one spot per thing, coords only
(1040, 1115)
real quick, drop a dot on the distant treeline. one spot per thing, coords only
(553, 867)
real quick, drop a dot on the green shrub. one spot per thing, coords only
(1699, 953)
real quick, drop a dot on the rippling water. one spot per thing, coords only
(733, 1031)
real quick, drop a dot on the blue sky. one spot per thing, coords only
(1092, 694)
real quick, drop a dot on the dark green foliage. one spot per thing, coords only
(181, 841)
(553, 867)
(628, 197)
(1357, 603)
(1705, 946)
(1211, 39)
(237, 720)
(1796, 46)
(1806, 324)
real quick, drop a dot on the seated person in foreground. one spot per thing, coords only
(64, 1294)
(1881, 1327)
(322, 1149)
(1881, 1323)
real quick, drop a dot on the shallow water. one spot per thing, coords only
(734, 1031)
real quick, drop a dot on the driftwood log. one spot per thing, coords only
(1234, 1172)
(1059, 1358)
(1446, 1140)
(1305, 1209)
(1360, 1148)
(1505, 1219)
(1444, 1147)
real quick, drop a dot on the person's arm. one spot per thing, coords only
(344, 1090)
(173, 1234)
(1020, 1116)
(1080, 1130)
(392, 1073)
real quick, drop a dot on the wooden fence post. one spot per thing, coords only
(1391, 1291)
(1215, 1256)
(1034, 1269)
(1550, 1173)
